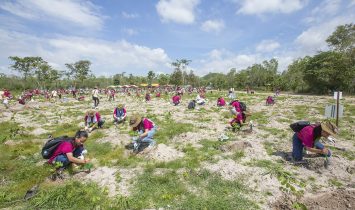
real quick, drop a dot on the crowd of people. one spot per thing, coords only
(71, 149)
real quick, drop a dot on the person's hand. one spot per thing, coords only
(86, 127)
(325, 151)
(86, 160)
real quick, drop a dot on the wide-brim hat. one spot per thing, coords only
(120, 106)
(135, 120)
(91, 112)
(330, 128)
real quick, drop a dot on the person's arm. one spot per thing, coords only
(319, 151)
(114, 114)
(144, 134)
(73, 159)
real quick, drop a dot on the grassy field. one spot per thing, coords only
(189, 168)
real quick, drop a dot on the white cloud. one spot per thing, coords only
(179, 11)
(250, 7)
(267, 46)
(221, 60)
(212, 25)
(325, 10)
(313, 39)
(81, 13)
(107, 57)
(130, 31)
(130, 15)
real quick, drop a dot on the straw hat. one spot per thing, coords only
(329, 128)
(91, 112)
(120, 106)
(135, 120)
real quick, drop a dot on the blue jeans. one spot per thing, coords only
(62, 158)
(148, 138)
(297, 148)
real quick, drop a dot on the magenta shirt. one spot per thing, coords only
(221, 102)
(306, 136)
(147, 124)
(64, 148)
(176, 99)
(236, 105)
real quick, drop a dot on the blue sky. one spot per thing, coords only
(135, 36)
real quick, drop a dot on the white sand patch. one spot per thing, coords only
(39, 131)
(164, 153)
(104, 177)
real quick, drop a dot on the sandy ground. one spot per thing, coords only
(319, 192)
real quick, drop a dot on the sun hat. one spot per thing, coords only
(91, 112)
(329, 128)
(135, 120)
(120, 106)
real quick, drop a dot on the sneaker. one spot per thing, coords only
(135, 146)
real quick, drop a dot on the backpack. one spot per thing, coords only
(51, 145)
(191, 105)
(243, 106)
(298, 126)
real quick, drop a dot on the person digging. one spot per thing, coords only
(146, 130)
(93, 120)
(119, 114)
(308, 138)
(70, 150)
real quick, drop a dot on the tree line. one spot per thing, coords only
(326, 71)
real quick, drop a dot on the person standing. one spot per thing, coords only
(95, 97)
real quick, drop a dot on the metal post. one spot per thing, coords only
(337, 119)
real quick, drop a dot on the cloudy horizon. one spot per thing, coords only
(139, 36)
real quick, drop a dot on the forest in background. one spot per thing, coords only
(321, 73)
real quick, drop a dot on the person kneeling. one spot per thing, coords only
(119, 114)
(70, 150)
(93, 120)
(309, 137)
(146, 130)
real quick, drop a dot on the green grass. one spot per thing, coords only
(18, 170)
(65, 129)
(334, 182)
(171, 190)
(75, 195)
(13, 131)
(260, 117)
(301, 112)
(193, 156)
(169, 129)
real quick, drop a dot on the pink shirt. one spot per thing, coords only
(236, 105)
(64, 148)
(176, 99)
(221, 102)
(306, 136)
(147, 124)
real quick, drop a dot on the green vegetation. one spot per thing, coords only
(172, 190)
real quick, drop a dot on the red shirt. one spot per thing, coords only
(236, 105)
(147, 124)
(176, 99)
(221, 102)
(306, 135)
(64, 148)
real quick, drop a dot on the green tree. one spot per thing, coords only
(327, 71)
(80, 69)
(150, 77)
(163, 79)
(178, 76)
(26, 65)
(343, 38)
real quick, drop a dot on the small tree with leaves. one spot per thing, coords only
(80, 69)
